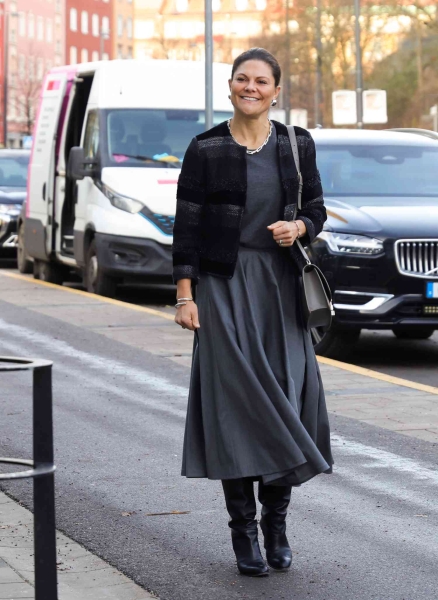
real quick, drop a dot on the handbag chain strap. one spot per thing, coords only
(293, 143)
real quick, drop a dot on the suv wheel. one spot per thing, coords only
(96, 281)
(413, 333)
(24, 264)
(334, 342)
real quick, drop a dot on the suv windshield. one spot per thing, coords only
(152, 138)
(354, 170)
(13, 171)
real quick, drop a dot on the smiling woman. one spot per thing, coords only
(256, 407)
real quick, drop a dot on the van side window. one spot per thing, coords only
(91, 140)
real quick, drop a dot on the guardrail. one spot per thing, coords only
(42, 471)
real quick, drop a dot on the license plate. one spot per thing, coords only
(432, 289)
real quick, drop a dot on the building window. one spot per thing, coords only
(129, 28)
(22, 24)
(58, 46)
(40, 69)
(84, 21)
(95, 25)
(129, 52)
(49, 30)
(241, 4)
(95, 56)
(40, 28)
(73, 55)
(144, 30)
(105, 25)
(22, 66)
(84, 55)
(120, 26)
(105, 56)
(31, 68)
(59, 6)
(31, 25)
(120, 51)
(73, 19)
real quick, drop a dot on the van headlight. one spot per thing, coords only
(350, 243)
(123, 202)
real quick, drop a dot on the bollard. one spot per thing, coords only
(42, 472)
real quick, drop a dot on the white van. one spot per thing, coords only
(108, 144)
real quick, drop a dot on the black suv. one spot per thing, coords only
(379, 246)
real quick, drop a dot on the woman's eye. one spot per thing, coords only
(263, 82)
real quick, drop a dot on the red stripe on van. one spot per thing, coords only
(54, 84)
(164, 181)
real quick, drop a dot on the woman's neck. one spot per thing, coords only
(249, 132)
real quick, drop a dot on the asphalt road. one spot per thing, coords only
(367, 532)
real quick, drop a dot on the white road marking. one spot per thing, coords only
(101, 364)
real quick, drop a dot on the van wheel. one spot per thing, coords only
(334, 342)
(48, 271)
(96, 281)
(413, 333)
(24, 264)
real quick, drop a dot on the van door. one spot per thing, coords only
(40, 192)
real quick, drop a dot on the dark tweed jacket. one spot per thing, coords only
(211, 199)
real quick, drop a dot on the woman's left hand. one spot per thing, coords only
(286, 232)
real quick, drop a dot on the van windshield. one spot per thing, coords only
(153, 138)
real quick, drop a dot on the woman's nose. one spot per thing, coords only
(250, 86)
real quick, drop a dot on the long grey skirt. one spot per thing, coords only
(256, 401)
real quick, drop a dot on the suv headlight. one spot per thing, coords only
(123, 202)
(350, 243)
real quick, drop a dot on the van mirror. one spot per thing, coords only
(78, 166)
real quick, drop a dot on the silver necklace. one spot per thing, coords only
(257, 149)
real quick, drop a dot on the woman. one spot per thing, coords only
(256, 407)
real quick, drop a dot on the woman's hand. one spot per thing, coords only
(286, 232)
(187, 316)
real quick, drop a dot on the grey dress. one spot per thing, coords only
(256, 402)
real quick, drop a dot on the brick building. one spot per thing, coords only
(123, 26)
(89, 30)
(34, 31)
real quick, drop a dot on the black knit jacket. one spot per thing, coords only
(211, 199)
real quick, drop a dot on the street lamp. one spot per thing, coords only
(104, 35)
(6, 15)
(286, 94)
(208, 64)
(318, 86)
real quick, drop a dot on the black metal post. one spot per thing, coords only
(318, 86)
(44, 487)
(286, 87)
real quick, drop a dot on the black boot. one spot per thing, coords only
(241, 505)
(275, 500)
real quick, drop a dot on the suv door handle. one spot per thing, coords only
(44, 191)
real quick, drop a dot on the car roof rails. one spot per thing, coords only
(433, 135)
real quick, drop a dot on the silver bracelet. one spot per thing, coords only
(298, 228)
(179, 299)
(178, 304)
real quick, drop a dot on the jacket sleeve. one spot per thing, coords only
(312, 212)
(190, 199)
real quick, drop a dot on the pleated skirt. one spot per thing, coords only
(256, 403)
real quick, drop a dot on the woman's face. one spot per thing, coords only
(253, 88)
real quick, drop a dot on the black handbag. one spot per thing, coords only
(316, 295)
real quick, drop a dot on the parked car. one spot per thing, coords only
(13, 183)
(379, 246)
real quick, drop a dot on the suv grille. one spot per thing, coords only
(417, 258)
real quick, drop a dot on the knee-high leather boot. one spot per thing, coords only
(241, 506)
(275, 500)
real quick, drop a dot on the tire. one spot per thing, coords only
(334, 342)
(95, 280)
(413, 333)
(49, 272)
(24, 264)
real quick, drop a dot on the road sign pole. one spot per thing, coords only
(208, 64)
(359, 79)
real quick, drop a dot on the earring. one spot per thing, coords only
(229, 96)
(274, 102)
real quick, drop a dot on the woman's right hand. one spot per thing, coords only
(187, 316)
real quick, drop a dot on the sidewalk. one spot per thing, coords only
(81, 575)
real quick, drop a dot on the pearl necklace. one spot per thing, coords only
(257, 149)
